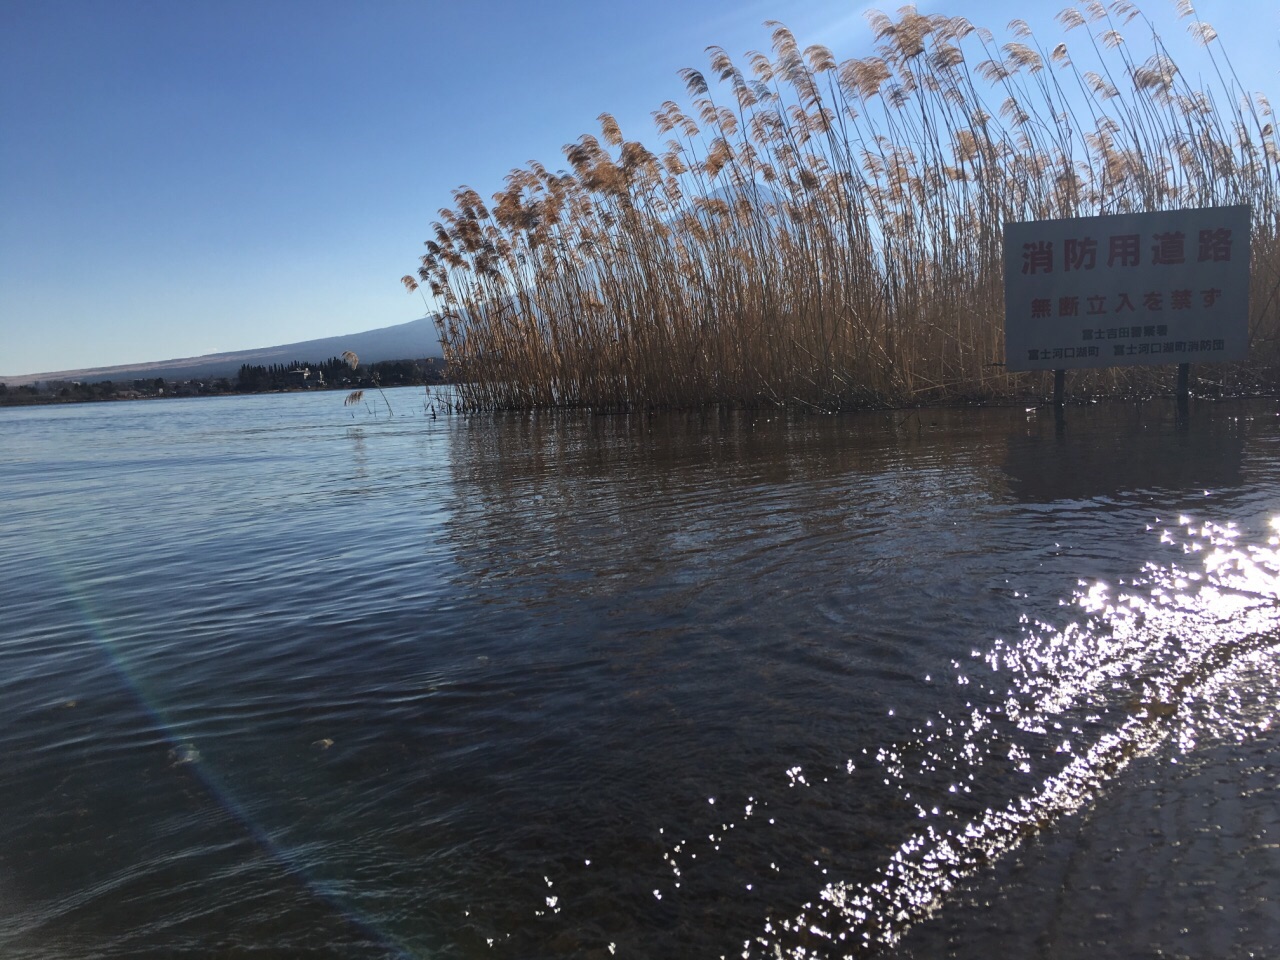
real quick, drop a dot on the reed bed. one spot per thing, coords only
(828, 234)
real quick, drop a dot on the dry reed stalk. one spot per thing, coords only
(829, 233)
(356, 396)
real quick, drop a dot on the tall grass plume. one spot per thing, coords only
(828, 233)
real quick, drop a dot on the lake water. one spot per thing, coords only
(280, 678)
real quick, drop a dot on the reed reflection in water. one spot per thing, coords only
(869, 512)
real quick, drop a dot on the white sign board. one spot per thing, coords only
(1136, 288)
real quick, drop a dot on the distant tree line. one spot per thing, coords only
(336, 372)
(333, 373)
(77, 391)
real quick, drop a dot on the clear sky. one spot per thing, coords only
(179, 178)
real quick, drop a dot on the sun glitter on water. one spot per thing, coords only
(1158, 659)
(1155, 658)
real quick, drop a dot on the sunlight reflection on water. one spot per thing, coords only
(1160, 660)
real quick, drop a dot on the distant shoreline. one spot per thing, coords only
(294, 377)
(46, 399)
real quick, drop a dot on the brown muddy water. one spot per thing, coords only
(281, 681)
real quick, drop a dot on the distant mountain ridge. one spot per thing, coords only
(414, 340)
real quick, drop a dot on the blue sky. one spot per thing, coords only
(179, 178)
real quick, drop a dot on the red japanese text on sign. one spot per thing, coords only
(1168, 278)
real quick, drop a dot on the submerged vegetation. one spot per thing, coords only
(829, 233)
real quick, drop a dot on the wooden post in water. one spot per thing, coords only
(1184, 393)
(1059, 391)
